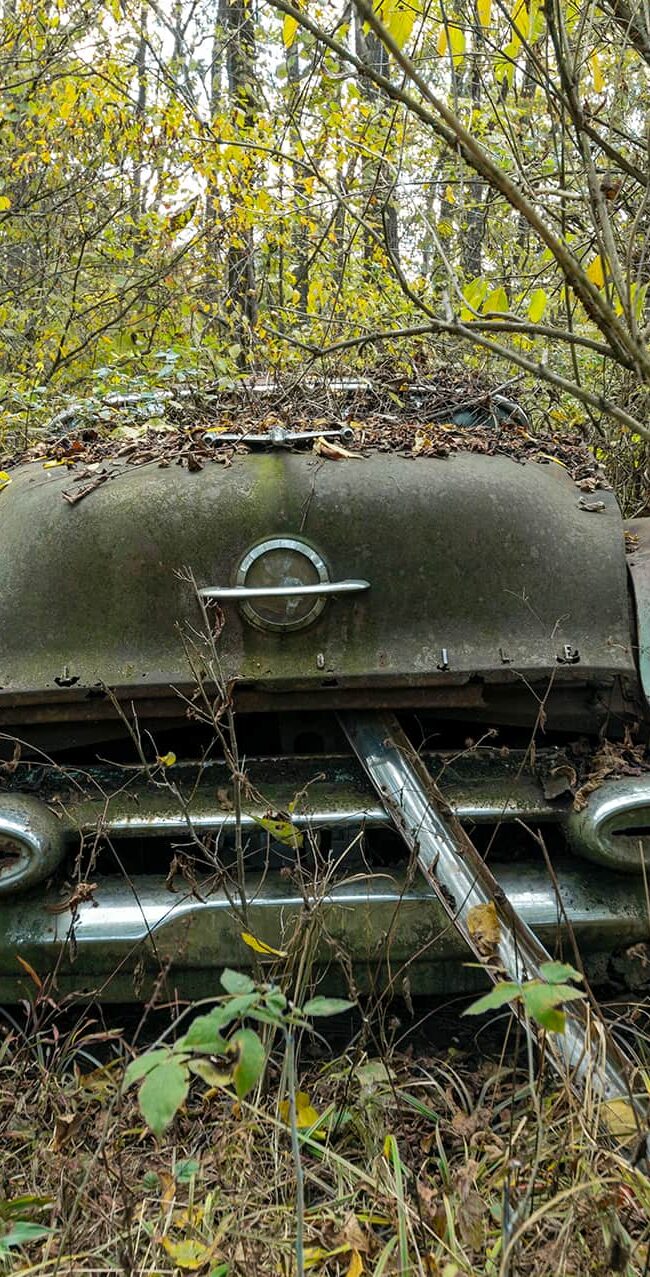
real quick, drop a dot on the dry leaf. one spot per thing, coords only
(619, 1119)
(353, 1235)
(334, 451)
(33, 975)
(65, 1128)
(560, 780)
(168, 1185)
(592, 507)
(471, 1210)
(484, 928)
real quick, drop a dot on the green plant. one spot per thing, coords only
(15, 1230)
(541, 999)
(238, 1060)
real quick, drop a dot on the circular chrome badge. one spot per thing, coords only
(281, 563)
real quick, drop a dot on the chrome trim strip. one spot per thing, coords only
(282, 591)
(464, 883)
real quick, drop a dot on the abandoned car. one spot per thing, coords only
(194, 636)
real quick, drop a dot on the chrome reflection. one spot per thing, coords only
(32, 842)
(613, 828)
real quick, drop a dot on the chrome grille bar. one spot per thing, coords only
(462, 881)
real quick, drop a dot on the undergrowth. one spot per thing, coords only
(417, 1159)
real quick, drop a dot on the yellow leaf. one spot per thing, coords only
(306, 1114)
(474, 293)
(51, 465)
(596, 74)
(399, 17)
(442, 41)
(537, 305)
(316, 1254)
(456, 43)
(619, 1118)
(5, 203)
(356, 1265)
(289, 29)
(5, 479)
(484, 11)
(258, 946)
(596, 272)
(483, 926)
(67, 102)
(449, 195)
(495, 301)
(166, 760)
(188, 1254)
(281, 830)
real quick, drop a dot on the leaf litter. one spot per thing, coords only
(216, 1194)
(452, 412)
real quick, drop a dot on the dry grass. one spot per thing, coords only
(421, 1162)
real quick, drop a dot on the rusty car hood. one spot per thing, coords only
(477, 566)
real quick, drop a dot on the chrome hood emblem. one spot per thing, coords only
(282, 584)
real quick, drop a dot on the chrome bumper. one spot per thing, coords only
(389, 928)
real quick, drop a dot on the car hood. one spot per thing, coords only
(476, 566)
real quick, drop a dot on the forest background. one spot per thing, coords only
(191, 190)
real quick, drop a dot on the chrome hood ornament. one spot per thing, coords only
(282, 584)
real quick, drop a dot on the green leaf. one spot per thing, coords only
(144, 1064)
(537, 305)
(251, 1059)
(204, 1033)
(505, 991)
(276, 1001)
(326, 1006)
(557, 972)
(543, 1000)
(236, 982)
(186, 1170)
(18, 1205)
(22, 1232)
(162, 1094)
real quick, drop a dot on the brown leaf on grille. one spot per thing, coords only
(484, 928)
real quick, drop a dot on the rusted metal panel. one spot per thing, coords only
(477, 566)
